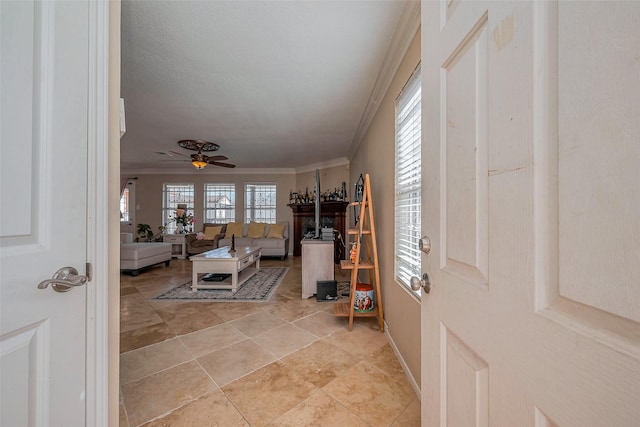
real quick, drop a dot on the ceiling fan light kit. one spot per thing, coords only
(199, 164)
(199, 160)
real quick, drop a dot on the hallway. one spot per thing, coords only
(288, 362)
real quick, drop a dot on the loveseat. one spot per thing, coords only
(136, 256)
(272, 238)
(212, 232)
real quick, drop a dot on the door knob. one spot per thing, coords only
(425, 283)
(424, 244)
(64, 280)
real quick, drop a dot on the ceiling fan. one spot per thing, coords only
(199, 160)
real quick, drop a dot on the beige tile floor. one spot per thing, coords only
(288, 362)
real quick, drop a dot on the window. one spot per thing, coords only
(408, 176)
(260, 203)
(127, 201)
(219, 203)
(124, 206)
(172, 194)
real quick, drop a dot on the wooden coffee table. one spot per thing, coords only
(221, 261)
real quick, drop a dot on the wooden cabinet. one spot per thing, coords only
(332, 213)
(317, 264)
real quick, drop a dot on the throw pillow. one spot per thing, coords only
(276, 230)
(256, 230)
(210, 233)
(234, 228)
(200, 236)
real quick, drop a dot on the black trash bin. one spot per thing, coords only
(327, 290)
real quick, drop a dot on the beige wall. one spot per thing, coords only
(375, 156)
(330, 179)
(148, 191)
(148, 197)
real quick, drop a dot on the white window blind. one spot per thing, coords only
(408, 177)
(219, 203)
(260, 203)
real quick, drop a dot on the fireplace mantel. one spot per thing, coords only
(333, 211)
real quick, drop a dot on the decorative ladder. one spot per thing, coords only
(367, 259)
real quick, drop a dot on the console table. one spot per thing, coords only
(330, 212)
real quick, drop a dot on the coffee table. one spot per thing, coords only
(222, 261)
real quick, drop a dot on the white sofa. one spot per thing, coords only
(271, 246)
(136, 256)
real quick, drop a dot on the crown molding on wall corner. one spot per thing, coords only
(408, 25)
(340, 161)
(210, 171)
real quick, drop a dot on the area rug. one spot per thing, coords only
(259, 288)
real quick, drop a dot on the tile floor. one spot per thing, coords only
(288, 362)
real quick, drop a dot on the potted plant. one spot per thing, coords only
(158, 236)
(144, 233)
(183, 219)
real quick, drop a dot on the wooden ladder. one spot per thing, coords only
(364, 234)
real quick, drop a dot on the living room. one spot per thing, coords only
(374, 132)
(530, 200)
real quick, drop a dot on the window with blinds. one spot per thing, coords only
(219, 203)
(260, 203)
(124, 206)
(172, 195)
(408, 177)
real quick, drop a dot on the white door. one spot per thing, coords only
(531, 199)
(45, 134)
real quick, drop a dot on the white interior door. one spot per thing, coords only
(43, 206)
(531, 199)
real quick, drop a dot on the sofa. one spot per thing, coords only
(198, 246)
(272, 238)
(137, 256)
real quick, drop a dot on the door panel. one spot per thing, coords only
(465, 387)
(598, 152)
(538, 207)
(44, 84)
(464, 156)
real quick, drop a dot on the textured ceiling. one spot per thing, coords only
(277, 84)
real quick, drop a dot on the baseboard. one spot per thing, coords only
(405, 368)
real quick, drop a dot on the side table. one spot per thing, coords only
(178, 244)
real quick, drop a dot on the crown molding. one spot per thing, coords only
(340, 161)
(209, 171)
(406, 29)
(188, 170)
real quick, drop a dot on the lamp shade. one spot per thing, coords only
(199, 164)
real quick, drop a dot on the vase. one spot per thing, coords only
(179, 229)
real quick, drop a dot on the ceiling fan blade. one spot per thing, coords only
(224, 165)
(178, 154)
(210, 158)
